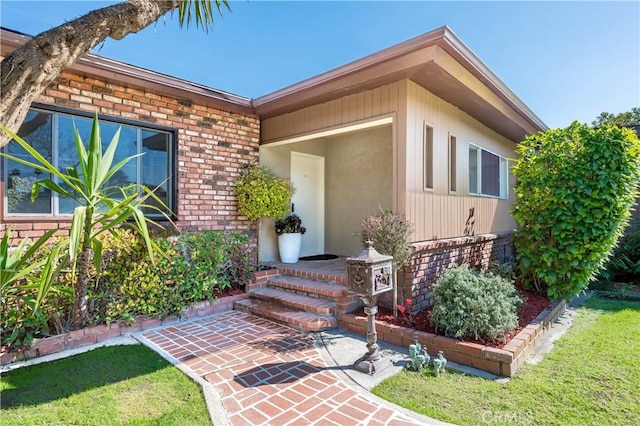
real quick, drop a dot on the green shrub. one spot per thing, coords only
(624, 264)
(468, 303)
(195, 267)
(216, 259)
(28, 280)
(129, 284)
(390, 233)
(575, 189)
(505, 270)
(262, 194)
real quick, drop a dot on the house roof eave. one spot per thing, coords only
(459, 50)
(390, 65)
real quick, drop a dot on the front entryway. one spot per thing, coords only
(307, 176)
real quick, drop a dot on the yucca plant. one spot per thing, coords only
(25, 279)
(98, 211)
(18, 265)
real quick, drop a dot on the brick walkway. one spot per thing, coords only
(268, 374)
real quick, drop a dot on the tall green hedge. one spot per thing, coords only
(575, 189)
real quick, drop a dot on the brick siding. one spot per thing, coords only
(213, 144)
(431, 258)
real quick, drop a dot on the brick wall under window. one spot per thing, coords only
(213, 145)
(430, 259)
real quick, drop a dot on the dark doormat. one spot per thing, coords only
(320, 257)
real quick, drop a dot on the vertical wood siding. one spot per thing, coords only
(346, 110)
(436, 213)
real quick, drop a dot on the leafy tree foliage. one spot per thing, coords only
(630, 119)
(575, 188)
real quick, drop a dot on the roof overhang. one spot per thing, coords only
(438, 61)
(119, 72)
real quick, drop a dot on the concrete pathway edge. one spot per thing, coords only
(212, 399)
(354, 378)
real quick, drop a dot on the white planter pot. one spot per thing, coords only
(289, 247)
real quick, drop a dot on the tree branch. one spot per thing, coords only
(28, 70)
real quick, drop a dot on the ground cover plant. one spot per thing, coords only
(590, 377)
(110, 385)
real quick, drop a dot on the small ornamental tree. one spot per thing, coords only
(575, 188)
(390, 233)
(101, 206)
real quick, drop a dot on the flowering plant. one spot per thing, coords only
(405, 310)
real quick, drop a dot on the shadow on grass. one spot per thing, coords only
(50, 381)
(612, 304)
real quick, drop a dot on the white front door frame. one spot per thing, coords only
(307, 177)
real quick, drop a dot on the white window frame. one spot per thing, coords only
(427, 161)
(453, 163)
(503, 173)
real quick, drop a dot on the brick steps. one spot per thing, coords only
(311, 287)
(301, 320)
(308, 302)
(301, 302)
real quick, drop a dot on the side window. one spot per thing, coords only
(453, 163)
(488, 173)
(428, 157)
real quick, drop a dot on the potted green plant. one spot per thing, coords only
(261, 194)
(289, 231)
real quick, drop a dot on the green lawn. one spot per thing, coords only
(592, 377)
(112, 385)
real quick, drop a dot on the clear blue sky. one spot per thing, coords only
(566, 60)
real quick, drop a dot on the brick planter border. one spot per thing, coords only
(100, 333)
(502, 362)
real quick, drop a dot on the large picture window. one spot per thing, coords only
(488, 173)
(52, 135)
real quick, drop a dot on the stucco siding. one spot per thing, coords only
(278, 159)
(359, 183)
